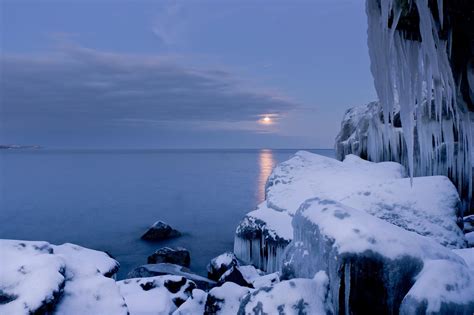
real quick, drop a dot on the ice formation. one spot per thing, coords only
(414, 75)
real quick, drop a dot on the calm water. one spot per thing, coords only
(106, 199)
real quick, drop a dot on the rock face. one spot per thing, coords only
(374, 266)
(178, 256)
(220, 264)
(155, 295)
(152, 270)
(160, 231)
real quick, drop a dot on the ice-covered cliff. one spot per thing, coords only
(422, 61)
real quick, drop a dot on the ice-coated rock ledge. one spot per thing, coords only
(429, 207)
(375, 266)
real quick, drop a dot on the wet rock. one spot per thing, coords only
(152, 270)
(160, 231)
(178, 256)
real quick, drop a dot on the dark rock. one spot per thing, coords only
(179, 256)
(234, 275)
(152, 270)
(469, 224)
(160, 231)
(220, 264)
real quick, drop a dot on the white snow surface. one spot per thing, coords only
(147, 296)
(296, 296)
(470, 239)
(231, 295)
(428, 207)
(467, 254)
(30, 273)
(194, 305)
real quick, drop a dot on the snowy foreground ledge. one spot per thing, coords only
(384, 244)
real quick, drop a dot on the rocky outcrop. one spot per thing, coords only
(374, 266)
(160, 231)
(178, 256)
(225, 299)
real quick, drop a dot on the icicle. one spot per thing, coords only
(416, 78)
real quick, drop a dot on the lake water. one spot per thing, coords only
(106, 199)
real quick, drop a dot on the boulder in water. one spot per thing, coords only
(160, 231)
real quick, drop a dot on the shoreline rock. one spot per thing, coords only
(177, 255)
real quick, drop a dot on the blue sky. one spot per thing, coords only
(177, 74)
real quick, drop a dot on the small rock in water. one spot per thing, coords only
(179, 256)
(220, 264)
(160, 231)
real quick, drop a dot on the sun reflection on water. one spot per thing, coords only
(266, 164)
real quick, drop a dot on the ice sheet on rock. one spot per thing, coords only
(155, 295)
(442, 287)
(194, 305)
(31, 276)
(296, 296)
(225, 299)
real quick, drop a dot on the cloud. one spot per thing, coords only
(76, 87)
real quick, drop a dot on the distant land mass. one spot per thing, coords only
(18, 146)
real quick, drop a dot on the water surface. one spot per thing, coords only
(105, 199)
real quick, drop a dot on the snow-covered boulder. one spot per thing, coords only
(296, 296)
(152, 270)
(160, 231)
(195, 304)
(372, 264)
(32, 278)
(220, 264)
(429, 207)
(470, 239)
(155, 295)
(88, 288)
(37, 278)
(178, 256)
(225, 299)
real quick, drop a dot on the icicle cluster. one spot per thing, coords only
(415, 77)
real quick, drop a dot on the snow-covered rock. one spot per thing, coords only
(37, 277)
(152, 270)
(467, 254)
(179, 256)
(261, 237)
(88, 290)
(296, 296)
(32, 278)
(225, 299)
(429, 207)
(470, 239)
(160, 231)
(220, 264)
(154, 295)
(195, 304)
(372, 264)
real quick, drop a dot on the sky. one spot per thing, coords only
(181, 74)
